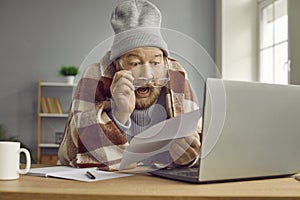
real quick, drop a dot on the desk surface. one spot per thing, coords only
(146, 187)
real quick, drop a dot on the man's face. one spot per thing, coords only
(146, 63)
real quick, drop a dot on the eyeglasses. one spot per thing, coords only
(154, 82)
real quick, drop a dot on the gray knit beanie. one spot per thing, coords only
(136, 23)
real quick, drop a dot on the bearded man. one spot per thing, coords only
(133, 87)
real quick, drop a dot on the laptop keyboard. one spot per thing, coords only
(184, 172)
(188, 174)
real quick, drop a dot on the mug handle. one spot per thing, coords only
(28, 161)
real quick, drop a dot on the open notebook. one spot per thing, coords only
(78, 174)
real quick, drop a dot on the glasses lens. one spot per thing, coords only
(160, 82)
(140, 82)
(155, 82)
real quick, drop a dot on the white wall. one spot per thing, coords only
(237, 39)
(294, 40)
(38, 36)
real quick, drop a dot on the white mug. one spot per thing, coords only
(10, 160)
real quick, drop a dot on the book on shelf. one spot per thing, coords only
(51, 105)
(58, 105)
(44, 107)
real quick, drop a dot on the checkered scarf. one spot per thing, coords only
(91, 138)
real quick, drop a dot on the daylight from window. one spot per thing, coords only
(274, 63)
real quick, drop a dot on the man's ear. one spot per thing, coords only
(117, 65)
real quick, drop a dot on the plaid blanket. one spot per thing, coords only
(91, 138)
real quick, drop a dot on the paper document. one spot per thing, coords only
(157, 139)
(78, 174)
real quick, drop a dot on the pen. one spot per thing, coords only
(90, 175)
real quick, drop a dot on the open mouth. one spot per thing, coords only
(143, 92)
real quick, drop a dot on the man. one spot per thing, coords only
(134, 86)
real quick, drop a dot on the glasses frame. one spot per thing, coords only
(150, 81)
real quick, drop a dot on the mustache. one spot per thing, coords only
(147, 102)
(150, 85)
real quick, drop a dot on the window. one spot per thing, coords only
(274, 63)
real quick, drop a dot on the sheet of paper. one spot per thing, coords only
(158, 138)
(78, 174)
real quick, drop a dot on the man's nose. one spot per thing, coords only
(146, 71)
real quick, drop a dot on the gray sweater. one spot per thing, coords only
(143, 119)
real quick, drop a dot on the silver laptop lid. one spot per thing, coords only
(250, 130)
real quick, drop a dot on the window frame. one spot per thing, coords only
(261, 5)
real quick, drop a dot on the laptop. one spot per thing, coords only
(250, 130)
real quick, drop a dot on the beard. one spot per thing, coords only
(146, 102)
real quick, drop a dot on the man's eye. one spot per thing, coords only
(155, 63)
(134, 64)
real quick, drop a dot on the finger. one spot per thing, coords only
(182, 143)
(190, 139)
(182, 153)
(181, 156)
(176, 151)
(123, 84)
(123, 75)
(193, 141)
(200, 124)
(184, 160)
(191, 149)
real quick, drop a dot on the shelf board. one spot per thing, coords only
(53, 115)
(48, 145)
(57, 84)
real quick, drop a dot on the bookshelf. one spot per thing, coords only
(54, 100)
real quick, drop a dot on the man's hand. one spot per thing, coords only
(185, 150)
(122, 91)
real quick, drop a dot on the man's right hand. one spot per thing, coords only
(122, 91)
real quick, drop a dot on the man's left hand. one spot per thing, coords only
(185, 150)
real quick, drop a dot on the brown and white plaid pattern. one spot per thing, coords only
(91, 138)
